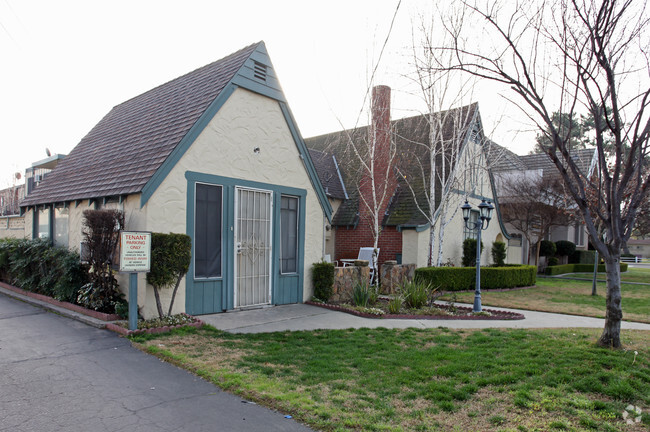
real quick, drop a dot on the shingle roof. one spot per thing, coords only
(502, 159)
(328, 173)
(124, 150)
(408, 133)
(582, 157)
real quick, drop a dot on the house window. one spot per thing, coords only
(515, 240)
(61, 227)
(207, 231)
(42, 223)
(467, 232)
(579, 235)
(289, 234)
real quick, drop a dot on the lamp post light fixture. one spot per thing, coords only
(483, 221)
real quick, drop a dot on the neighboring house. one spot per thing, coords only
(639, 247)
(508, 165)
(12, 220)
(12, 224)
(406, 232)
(214, 154)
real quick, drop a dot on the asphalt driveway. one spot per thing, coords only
(58, 374)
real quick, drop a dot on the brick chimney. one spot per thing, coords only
(380, 136)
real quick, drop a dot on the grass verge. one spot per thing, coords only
(425, 380)
(566, 296)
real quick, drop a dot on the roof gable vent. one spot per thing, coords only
(259, 71)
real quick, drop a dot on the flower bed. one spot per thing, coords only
(156, 325)
(439, 312)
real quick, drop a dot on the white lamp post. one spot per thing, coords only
(485, 209)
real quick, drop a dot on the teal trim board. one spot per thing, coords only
(203, 296)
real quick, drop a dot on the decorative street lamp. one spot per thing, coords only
(485, 214)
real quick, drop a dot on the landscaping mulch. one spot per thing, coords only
(461, 313)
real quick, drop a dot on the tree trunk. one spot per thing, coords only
(611, 336)
(171, 303)
(158, 304)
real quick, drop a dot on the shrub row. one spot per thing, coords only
(464, 278)
(578, 268)
(36, 266)
(583, 257)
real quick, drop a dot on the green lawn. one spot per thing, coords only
(636, 274)
(571, 297)
(426, 380)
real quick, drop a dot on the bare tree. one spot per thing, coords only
(576, 56)
(533, 204)
(434, 167)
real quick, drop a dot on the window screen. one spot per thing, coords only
(207, 231)
(289, 234)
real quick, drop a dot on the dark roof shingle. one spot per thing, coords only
(124, 150)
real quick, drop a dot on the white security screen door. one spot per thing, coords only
(253, 210)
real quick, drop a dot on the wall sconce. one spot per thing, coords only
(256, 150)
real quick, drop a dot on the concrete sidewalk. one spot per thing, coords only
(307, 317)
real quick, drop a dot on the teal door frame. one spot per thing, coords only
(203, 296)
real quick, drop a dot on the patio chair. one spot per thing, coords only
(328, 259)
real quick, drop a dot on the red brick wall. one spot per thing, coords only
(349, 240)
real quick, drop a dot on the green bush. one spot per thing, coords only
(547, 248)
(415, 294)
(582, 257)
(564, 248)
(499, 253)
(552, 261)
(464, 278)
(361, 294)
(323, 279)
(578, 268)
(469, 252)
(101, 232)
(170, 259)
(37, 266)
(395, 305)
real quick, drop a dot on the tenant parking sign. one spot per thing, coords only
(135, 251)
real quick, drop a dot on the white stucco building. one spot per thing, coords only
(214, 154)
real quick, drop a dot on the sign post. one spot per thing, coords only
(135, 257)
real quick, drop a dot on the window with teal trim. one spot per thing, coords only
(289, 234)
(207, 231)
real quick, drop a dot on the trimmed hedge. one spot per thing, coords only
(464, 278)
(583, 257)
(323, 280)
(578, 268)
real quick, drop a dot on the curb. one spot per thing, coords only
(93, 318)
(67, 310)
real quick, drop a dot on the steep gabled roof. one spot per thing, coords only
(502, 159)
(408, 134)
(133, 148)
(121, 153)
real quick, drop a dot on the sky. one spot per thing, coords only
(66, 63)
